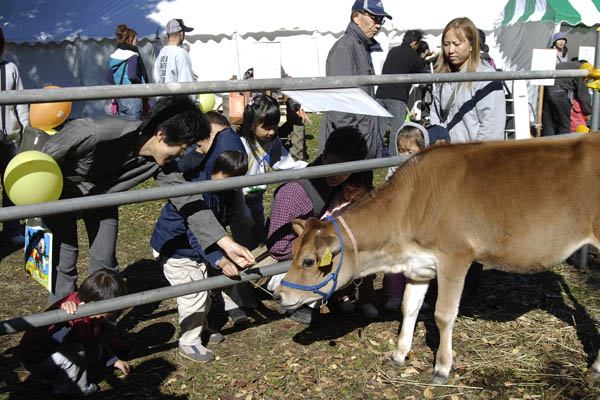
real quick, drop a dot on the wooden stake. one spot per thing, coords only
(538, 129)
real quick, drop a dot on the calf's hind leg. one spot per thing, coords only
(414, 293)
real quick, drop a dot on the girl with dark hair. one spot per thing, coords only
(125, 67)
(13, 120)
(265, 153)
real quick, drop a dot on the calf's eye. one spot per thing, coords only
(308, 262)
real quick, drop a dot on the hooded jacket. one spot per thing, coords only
(125, 64)
(478, 112)
(351, 55)
(171, 236)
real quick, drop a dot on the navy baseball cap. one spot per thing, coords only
(176, 25)
(375, 7)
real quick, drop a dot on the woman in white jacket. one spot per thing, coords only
(471, 111)
(13, 119)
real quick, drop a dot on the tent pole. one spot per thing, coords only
(538, 128)
(594, 125)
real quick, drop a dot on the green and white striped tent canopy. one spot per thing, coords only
(571, 12)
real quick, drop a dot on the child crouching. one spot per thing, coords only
(63, 352)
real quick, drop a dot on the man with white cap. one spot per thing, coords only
(351, 55)
(173, 63)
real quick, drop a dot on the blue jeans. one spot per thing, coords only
(130, 108)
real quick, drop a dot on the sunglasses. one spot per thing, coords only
(377, 19)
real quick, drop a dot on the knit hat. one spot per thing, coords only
(437, 132)
(558, 36)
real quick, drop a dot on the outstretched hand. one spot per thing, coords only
(237, 253)
(228, 268)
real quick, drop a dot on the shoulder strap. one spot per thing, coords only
(313, 194)
(3, 88)
(123, 73)
(446, 109)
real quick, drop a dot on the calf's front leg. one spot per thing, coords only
(414, 293)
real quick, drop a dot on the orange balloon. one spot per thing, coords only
(46, 116)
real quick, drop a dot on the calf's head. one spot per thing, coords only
(315, 269)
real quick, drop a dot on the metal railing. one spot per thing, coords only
(331, 82)
(115, 199)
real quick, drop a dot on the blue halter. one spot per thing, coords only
(333, 276)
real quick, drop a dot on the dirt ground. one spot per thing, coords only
(519, 336)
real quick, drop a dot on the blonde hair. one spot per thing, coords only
(464, 29)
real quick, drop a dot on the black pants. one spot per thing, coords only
(7, 151)
(556, 114)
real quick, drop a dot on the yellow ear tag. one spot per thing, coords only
(326, 260)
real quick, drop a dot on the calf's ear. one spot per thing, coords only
(298, 225)
(326, 248)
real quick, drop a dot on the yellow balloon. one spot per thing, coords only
(50, 131)
(33, 177)
(206, 102)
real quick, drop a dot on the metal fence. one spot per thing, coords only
(115, 199)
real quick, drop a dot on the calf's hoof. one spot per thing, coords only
(439, 379)
(396, 360)
(591, 377)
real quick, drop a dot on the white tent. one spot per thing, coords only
(67, 42)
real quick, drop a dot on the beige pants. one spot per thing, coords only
(193, 308)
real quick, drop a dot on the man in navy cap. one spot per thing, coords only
(173, 63)
(351, 55)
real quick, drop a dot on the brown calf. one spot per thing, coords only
(515, 206)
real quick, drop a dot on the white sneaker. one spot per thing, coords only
(393, 304)
(369, 310)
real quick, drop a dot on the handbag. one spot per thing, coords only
(114, 107)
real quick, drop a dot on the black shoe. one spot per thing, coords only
(238, 317)
(304, 315)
